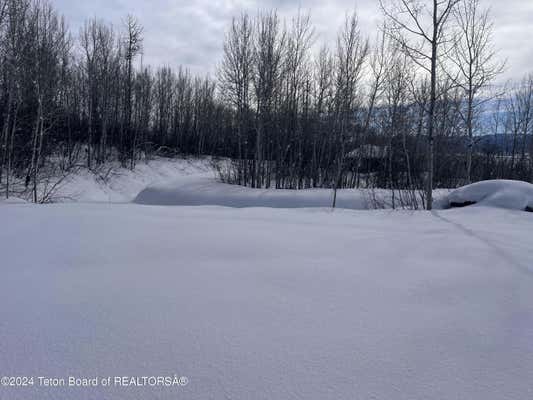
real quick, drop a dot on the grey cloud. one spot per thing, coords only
(191, 32)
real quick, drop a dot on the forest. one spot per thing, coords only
(413, 106)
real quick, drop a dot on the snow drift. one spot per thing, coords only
(513, 195)
(122, 184)
(206, 191)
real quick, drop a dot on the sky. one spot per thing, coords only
(191, 32)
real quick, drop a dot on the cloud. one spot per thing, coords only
(190, 32)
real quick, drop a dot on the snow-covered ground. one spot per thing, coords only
(111, 183)
(268, 303)
(264, 303)
(206, 190)
(122, 184)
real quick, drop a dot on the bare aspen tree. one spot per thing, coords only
(520, 114)
(89, 43)
(132, 47)
(324, 94)
(107, 70)
(49, 43)
(142, 109)
(299, 42)
(164, 101)
(13, 13)
(474, 59)
(101, 67)
(380, 60)
(269, 47)
(235, 77)
(420, 29)
(396, 124)
(352, 50)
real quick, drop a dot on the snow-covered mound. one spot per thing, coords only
(206, 191)
(513, 195)
(122, 184)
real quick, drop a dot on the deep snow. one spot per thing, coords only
(123, 185)
(206, 190)
(512, 195)
(111, 183)
(268, 304)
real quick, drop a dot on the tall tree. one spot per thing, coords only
(132, 47)
(475, 61)
(269, 48)
(352, 50)
(420, 29)
(235, 77)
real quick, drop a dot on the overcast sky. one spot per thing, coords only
(190, 32)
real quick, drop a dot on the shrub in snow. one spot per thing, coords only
(513, 195)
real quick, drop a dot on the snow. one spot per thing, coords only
(206, 190)
(112, 183)
(512, 195)
(13, 200)
(288, 301)
(268, 303)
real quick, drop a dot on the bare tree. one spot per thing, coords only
(133, 46)
(14, 12)
(296, 73)
(269, 48)
(89, 43)
(520, 114)
(475, 60)
(235, 77)
(108, 68)
(324, 95)
(352, 50)
(419, 27)
(50, 42)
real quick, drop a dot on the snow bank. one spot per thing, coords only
(201, 191)
(122, 184)
(268, 304)
(513, 195)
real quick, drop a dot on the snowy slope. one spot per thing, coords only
(268, 304)
(123, 184)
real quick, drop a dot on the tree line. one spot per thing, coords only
(412, 110)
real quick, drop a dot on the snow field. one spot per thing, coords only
(268, 304)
